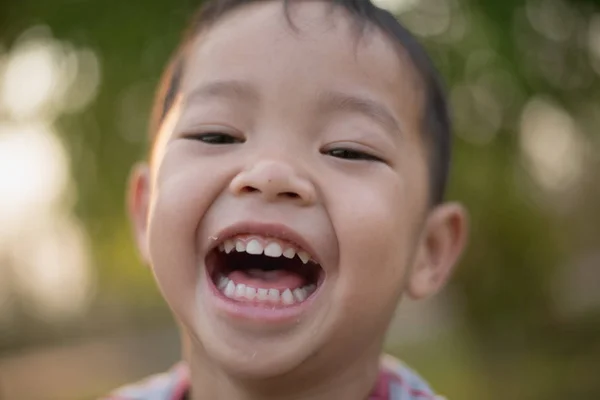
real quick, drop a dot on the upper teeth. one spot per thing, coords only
(268, 247)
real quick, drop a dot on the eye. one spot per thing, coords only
(349, 154)
(216, 138)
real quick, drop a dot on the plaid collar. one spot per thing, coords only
(396, 382)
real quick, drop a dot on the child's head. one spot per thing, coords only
(287, 131)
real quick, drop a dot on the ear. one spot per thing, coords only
(443, 239)
(138, 205)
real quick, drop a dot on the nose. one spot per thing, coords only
(274, 181)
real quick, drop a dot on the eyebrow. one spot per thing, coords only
(342, 102)
(231, 89)
(332, 101)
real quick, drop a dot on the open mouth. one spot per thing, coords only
(263, 270)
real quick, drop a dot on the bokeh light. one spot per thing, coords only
(33, 173)
(396, 6)
(552, 145)
(54, 273)
(594, 42)
(30, 79)
(45, 262)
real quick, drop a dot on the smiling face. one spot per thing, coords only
(285, 210)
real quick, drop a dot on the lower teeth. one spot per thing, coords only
(261, 295)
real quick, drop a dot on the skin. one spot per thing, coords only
(367, 219)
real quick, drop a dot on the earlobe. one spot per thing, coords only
(442, 242)
(138, 206)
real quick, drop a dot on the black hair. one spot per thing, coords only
(436, 122)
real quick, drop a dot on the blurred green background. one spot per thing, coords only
(80, 315)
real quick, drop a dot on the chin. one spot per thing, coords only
(250, 356)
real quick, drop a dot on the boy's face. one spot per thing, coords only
(302, 141)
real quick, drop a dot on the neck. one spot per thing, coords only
(348, 381)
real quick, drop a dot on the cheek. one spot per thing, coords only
(184, 189)
(373, 226)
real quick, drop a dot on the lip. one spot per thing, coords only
(276, 231)
(255, 312)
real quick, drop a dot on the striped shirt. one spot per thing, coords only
(396, 382)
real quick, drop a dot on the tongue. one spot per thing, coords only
(280, 279)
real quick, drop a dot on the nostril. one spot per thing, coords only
(249, 189)
(290, 195)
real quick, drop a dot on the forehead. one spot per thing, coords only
(318, 48)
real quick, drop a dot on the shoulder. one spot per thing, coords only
(171, 385)
(404, 383)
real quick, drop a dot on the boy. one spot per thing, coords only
(293, 195)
